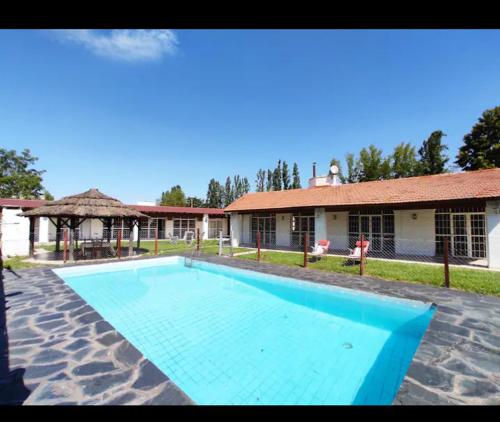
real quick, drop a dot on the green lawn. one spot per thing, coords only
(477, 281)
(19, 263)
(166, 247)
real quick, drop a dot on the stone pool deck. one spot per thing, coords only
(57, 350)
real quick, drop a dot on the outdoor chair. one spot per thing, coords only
(188, 237)
(320, 248)
(355, 254)
(172, 239)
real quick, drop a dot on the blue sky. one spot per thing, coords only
(134, 114)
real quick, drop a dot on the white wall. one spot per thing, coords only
(283, 229)
(236, 229)
(15, 233)
(493, 230)
(336, 228)
(204, 227)
(91, 228)
(414, 237)
(43, 229)
(320, 228)
(169, 227)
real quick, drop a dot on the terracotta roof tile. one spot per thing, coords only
(481, 184)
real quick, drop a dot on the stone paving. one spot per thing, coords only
(57, 350)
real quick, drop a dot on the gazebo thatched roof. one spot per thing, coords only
(89, 204)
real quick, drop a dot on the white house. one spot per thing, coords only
(407, 217)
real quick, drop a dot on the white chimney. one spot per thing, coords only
(331, 179)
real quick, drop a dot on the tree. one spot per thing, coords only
(48, 196)
(277, 185)
(353, 170)
(195, 202)
(432, 157)
(17, 177)
(404, 161)
(245, 186)
(214, 198)
(260, 182)
(237, 188)
(481, 148)
(335, 162)
(228, 192)
(269, 182)
(295, 177)
(285, 176)
(174, 197)
(372, 166)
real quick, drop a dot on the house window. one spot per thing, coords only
(266, 225)
(377, 225)
(214, 228)
(183, 225)
(302, 223)
(465, 229)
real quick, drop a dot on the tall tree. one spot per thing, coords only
(277, 185)
(432, 157)
(295, 177)
(404, 161)
(18, 179)
(48, 196)
(285, 176)
(195, 202)
(237, 188)
(228, 192)
(481, 148)
(269, 181)
(174, 197)
(260, 182)
(214, 199)
(353, 169)
(245, 186)
(372, 165)
(335, 162)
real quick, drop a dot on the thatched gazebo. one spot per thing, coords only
(71, 211)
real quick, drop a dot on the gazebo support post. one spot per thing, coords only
(32, 237)
(72, 239)
(109, 223)
(130, 237)
(58, 235)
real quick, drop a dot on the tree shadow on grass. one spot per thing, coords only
(12, 388)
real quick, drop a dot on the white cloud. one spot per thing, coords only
(124, 44)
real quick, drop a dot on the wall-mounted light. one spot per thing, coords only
(334, 216)
(282, 218)
(414, 216)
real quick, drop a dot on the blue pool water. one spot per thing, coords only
(230, 336)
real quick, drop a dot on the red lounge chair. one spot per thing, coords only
(355, 254)
(320, 248)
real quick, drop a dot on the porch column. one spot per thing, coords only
(319, 224)
(139, 225)
(136, 232)
(43, 229)
(204, 226)
(131, 227)
(493, 231)
(235, 229)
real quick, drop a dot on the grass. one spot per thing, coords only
(166, 247)
(19, 263)
(469, 280)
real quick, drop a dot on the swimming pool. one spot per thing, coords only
(231, 336)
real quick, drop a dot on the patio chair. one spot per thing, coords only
(320, 248)
(188, 237)
(172, 239)
(355, 254)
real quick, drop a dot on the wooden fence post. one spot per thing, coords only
(156, 239)
(198, 239)
(65, 251)
(446, 267)
(306, 245)
(362, 256)
(258, 246)
(119, 243)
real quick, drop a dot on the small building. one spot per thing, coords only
(174, 221)
(402, 218)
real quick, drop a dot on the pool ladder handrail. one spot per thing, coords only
(188, 261)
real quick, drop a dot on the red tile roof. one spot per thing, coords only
(177, 210)
(21, 203)
(481, 184)
(157, 209)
